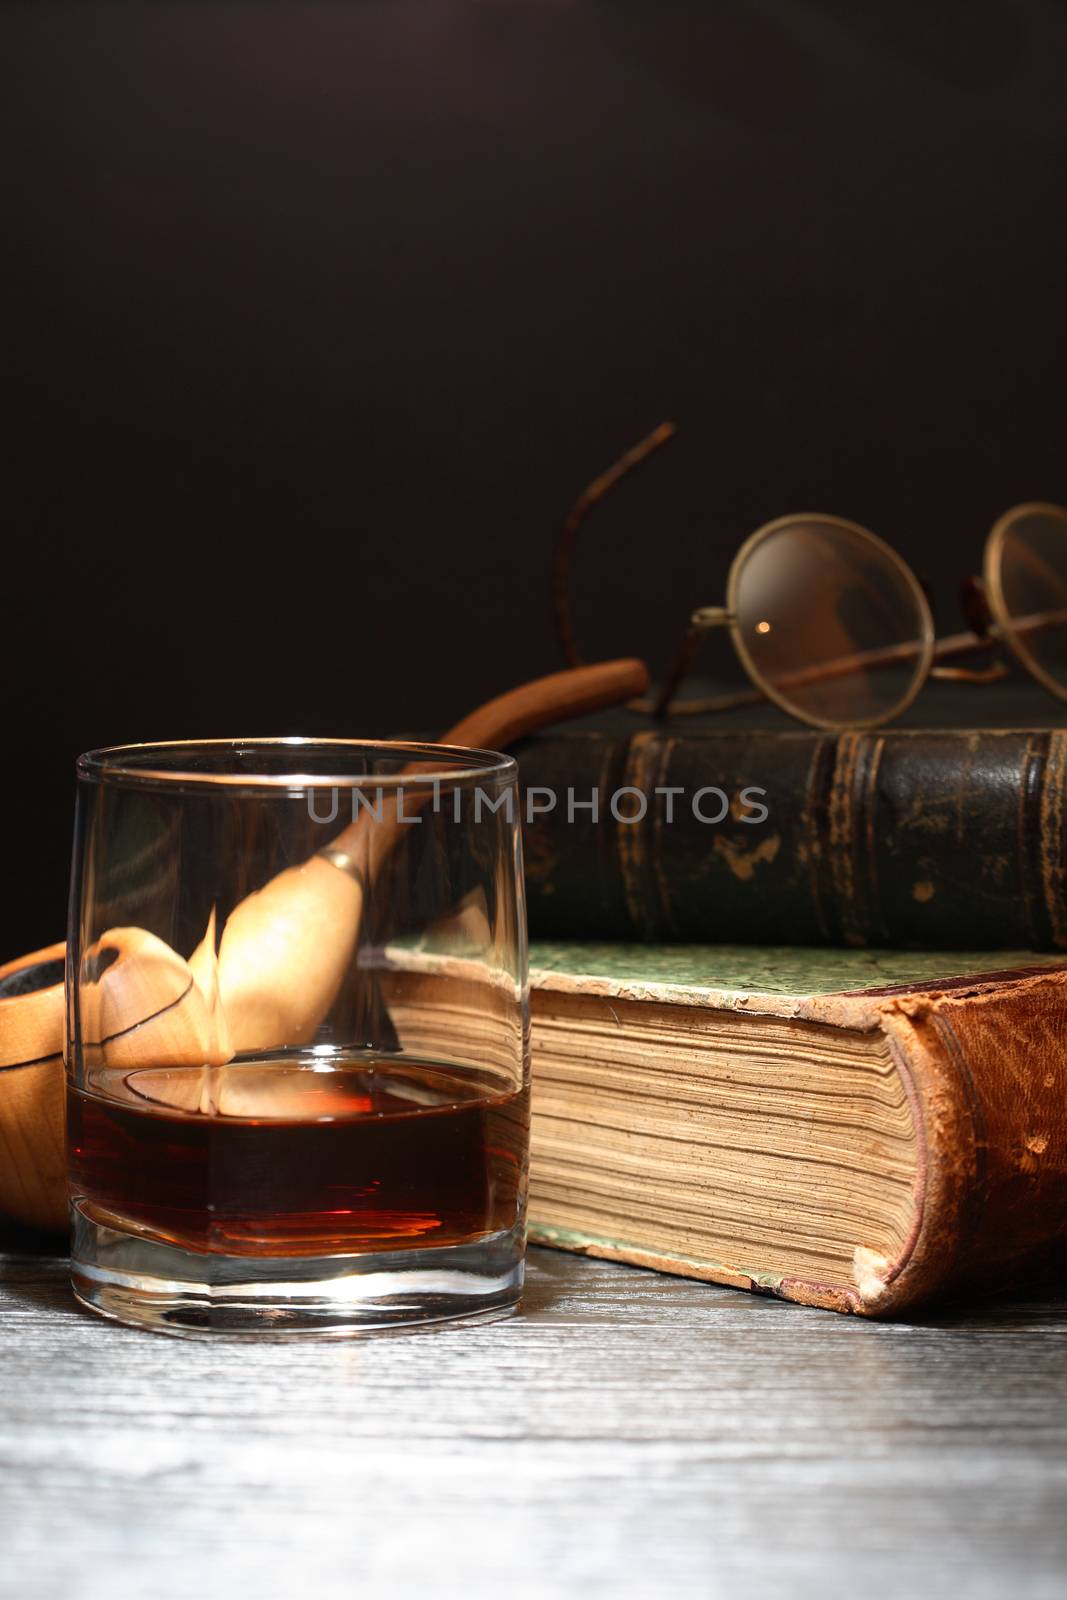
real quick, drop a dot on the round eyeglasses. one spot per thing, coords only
(832, 625)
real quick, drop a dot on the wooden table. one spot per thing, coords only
(627, 1434)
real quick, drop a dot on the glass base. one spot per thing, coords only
(132, 1278)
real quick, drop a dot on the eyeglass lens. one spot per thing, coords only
(1033, 586)
(830, 622)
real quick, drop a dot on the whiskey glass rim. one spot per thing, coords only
(170, 764)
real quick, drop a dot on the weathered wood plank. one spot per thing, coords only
(626, 1434)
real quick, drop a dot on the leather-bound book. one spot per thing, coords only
(855, 1130)
(946, 830)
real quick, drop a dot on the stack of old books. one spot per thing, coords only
(799, 1023)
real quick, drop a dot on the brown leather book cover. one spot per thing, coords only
(854, 1130)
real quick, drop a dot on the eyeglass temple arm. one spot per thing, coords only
(703, 618)
(976, 612)
(588, 499)
(954, 644)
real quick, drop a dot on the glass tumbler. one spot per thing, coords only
(298, 1041)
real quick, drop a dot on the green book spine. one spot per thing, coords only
(898, 837)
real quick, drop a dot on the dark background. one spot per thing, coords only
(317, 317)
